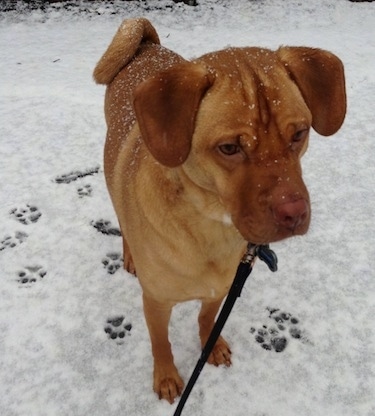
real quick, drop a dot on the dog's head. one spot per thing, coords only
(236, 123)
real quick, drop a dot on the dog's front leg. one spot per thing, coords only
(221, 352)
(167, 382)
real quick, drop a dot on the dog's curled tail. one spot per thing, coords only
(123, 47)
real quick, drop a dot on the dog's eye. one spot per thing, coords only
(229, 149)
(300, 135)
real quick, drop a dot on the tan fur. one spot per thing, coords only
(202, 157)
(124, 45)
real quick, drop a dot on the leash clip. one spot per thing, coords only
(251, 253)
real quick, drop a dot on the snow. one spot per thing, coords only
(56, 358)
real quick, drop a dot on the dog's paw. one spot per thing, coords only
(12, 241)
(276, 336)
(105, 227)
(220, 354)
(112, 262)
(128, 260)
(30, 275)
(77, 174)
(85, 190)
(117, 329)
(27, 214)
(129, 265)
(168, 384)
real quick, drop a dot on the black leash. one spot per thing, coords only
(243, 271)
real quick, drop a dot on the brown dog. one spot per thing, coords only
(202, 157)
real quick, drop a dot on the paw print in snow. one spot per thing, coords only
(105, 227)
(31, 274)
(276, 336)
(85, 190)
(112, 262)
(270, 338)
(116, 329)
(27, 214)
(77, 174)
(13, 241)
(286, 321)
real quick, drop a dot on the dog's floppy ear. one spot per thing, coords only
(319, 76)
(166, 106)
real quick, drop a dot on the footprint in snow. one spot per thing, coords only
(11, 241)
(112, 262)
(30, 275)
(77, 174)
(26, 214)
(85, 190)
(117, 329)
(105, 227)
(276, 337)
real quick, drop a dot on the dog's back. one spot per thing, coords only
(134, 55)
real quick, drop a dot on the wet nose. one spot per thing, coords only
(291, 214)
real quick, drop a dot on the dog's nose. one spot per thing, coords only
(291, 214)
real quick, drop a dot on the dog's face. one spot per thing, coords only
(251, 131)
(242, 133)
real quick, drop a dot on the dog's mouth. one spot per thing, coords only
(284, 221)
(272, 236)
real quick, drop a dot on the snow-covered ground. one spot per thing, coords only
(56, 294)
